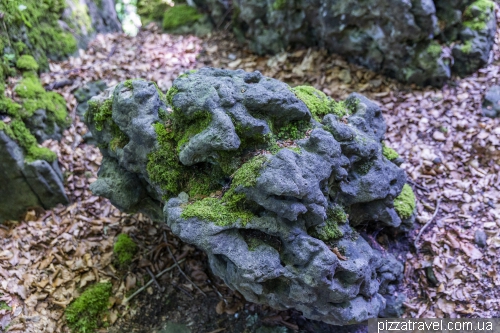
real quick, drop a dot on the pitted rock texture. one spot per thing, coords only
(26, 184)
(491, 102)
(400, 38)
(238, 165)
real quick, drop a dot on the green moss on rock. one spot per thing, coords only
(331, 231)
(475, 21)
(124, 249)
(180, 15)
(84, 314)
(466, 47)
(388, 152)
(434, 49)
(27, 63)
(230, 208)
(404, 203)
(319, 104)
(37, 24)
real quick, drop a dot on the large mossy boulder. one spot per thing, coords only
(422, 41)
(271, 181)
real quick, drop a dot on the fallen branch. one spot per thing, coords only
(151, 281)
(179, 267)
(154, 279)
(426, 225)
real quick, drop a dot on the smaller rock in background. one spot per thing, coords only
(491, 102)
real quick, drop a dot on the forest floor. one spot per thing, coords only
(452, 157)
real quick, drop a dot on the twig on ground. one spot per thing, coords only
(179, 267)
(423, 188)
(181, 289)
(154, 279)
(151, 281)
(217, 291)
(426, 225)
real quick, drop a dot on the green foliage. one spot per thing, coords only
(27, 62)
(404, 204)
(180, 15)
(478, 22)
(18, 132)
(84, 313)
(388, 152)
(434, 49)
(124, 249)
(4, 306)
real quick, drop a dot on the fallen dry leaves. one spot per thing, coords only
(451, 153)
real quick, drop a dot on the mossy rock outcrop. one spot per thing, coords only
(30, 174)
(422, 42)
(271, 181)
(34, 32)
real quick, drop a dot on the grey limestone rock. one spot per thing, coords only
(239, 165)
(26, 184)
(400, 38)
(491, 102)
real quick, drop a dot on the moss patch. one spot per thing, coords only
(27, 62)
(230, 208)
(330, 230)
(100, 114)
(434, 49)
(478, 21)
(85, 313)
(279, 4)
(180, 15)
(319, 104)
(466, 47)
(404, 204)
(36, 23)
(388, 152)
(124, 249)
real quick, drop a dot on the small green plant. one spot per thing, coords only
(124, 249)
(85, 313)
(4, 306)
(404, 204)
(320, 105)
